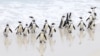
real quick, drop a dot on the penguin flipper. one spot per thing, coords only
(17, 27)
(45, 37)
(5, 30)
(87, 19)
(10, 30)
(70, 15)
(74, 27)
(60, 24)
(55, 30)
(38, 36)
(23, 29)
(49, 26)
(78, 25)
(37, 26)
(95, 14)
(28, 31)
(64, 23)
(84, 24)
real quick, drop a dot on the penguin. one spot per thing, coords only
(91, 20)
(26, 30)
(42, 37)
(52, 30)
(81, 25)
(62, 22)
(33, 26)
(71, 27)
(7, 30)
(46, 26)
(19, 28)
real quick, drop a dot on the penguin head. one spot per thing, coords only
(7, 24)
(42, 30)
(80, 17)
(45, 20)
(93, 7)
(19, 22)
(33, 20)
(89, 12)
(63, 16)
(26, 24)
(53, 23)
(31, 17)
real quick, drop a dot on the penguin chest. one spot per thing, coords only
(25, 31)
(52, 30)
(90, 18)
(81, 25)
(20, 29)
(42, 37)
(71, 27)
(93, 14)
(46, 26)
(34, 26)
(7, 30)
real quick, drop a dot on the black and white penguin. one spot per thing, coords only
(81, 25)
(52, 30)
(19, 28)
(91, 20)
(71, 27)
(46, 26)
(33, 26)
(26, 30)
(7, 30)
(62, 22)
(42, 37)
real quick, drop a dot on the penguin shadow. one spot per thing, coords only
(70, 38)
(51, 42)
(41, 48)
(33, 39)
(25, 40)
(19, 40)
(66, 33)
(62, 32)
(91, 34)
(81, 36)
(7, 42)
